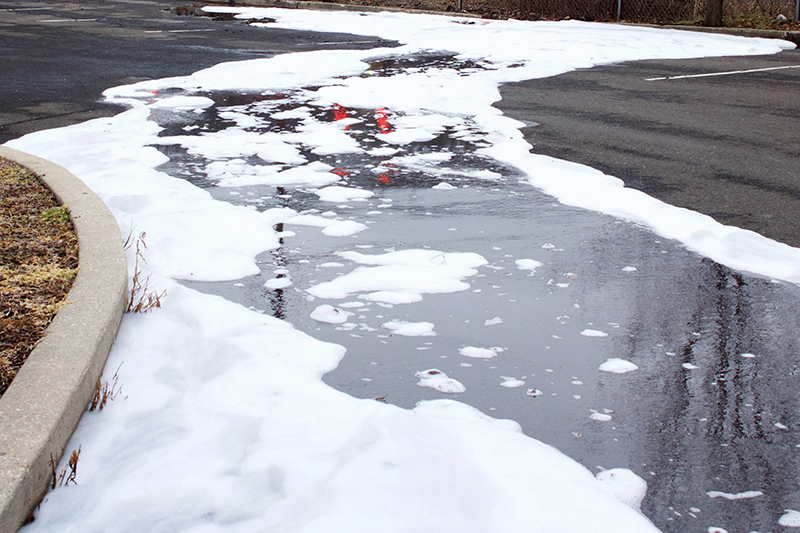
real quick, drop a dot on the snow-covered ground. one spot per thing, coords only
(225, 424)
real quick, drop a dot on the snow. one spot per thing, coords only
(626, 486)
(342, 194)
(183, 102)
(511, 382)
(617, 366)
(438, 380)
(410, 329)
(278, 283)
(226, 424)
(593, 333)
(330, 315)
(568, 45)
(740, 496)
(402, 276)
(790, 519)
(528, 264)
(600, 417)
(479, 353)
(343, 228)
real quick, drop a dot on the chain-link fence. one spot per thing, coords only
(740, 12)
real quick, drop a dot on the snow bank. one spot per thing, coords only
(225, 424)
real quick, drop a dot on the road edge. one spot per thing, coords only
(332, 6)
(43, 405)
(792, 36)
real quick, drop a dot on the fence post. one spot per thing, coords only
(619, 9)
(797, 10)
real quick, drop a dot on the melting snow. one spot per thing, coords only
(617, 366)
(410, 329)
(224, 397)
(479, 353)
(436, 379)
(740, 496)
(593, 333)
(511, 382)
(329, 314)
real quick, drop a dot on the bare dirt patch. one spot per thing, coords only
(38, 263)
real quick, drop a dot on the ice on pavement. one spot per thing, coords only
(226, 424)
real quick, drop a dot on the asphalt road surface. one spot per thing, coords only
(56, 58)
(726, 146)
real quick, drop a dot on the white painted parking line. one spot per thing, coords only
(27, 9)
(177, 31)
(67, 20)
(337, 42)
(722, 73)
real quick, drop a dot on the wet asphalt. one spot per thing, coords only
(56, 58)
(726, 146)
(726, 422)
(712, 407)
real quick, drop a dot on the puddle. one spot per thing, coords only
(712, 405)
(422, 62)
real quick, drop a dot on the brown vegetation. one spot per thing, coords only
(38, 263)
(761, 14)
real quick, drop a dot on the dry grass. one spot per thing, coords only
(68, 473)
(103, 392)
(38, 263)
(141, 298)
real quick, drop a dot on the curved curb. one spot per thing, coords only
(43, 405)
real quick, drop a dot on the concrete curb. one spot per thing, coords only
(42, 407)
